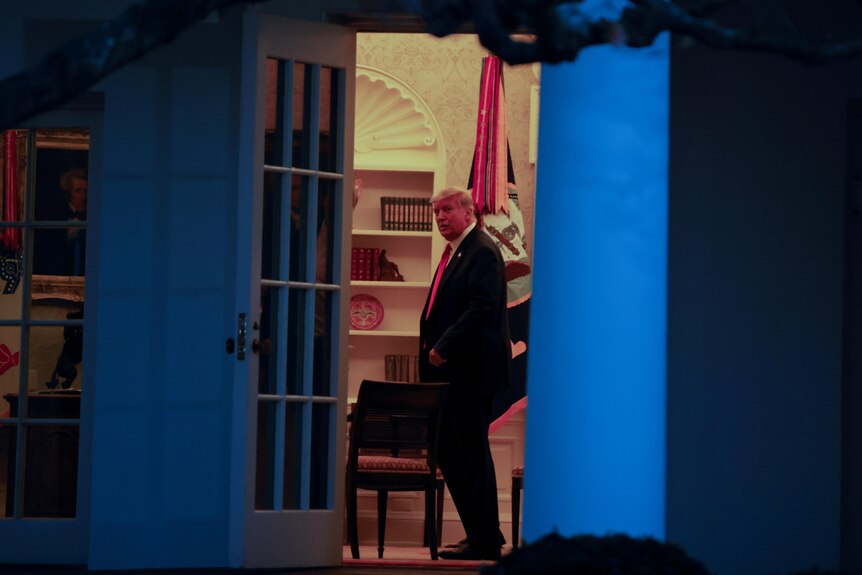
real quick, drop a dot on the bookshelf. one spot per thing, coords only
(398, 154)
(411, 251)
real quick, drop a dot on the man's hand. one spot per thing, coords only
(435, 358)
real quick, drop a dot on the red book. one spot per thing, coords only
(355, 264)
(375, 264)
(366, 264)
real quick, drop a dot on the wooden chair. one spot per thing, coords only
(394, 435)
(517, 486)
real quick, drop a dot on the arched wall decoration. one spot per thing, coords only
(391, 116)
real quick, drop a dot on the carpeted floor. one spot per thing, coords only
(409, 558)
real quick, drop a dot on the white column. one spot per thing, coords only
(595, 456)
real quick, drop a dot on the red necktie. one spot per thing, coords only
(444, 259)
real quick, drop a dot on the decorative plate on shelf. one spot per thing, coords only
(366, 311)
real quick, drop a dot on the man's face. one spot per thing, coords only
(452, 218)
(78, 194)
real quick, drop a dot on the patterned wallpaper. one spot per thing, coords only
(445, 72)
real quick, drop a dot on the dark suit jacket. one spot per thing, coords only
(469, 324)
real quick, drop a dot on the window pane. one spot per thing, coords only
(299, 214)
(321, 431)
(272, 240)
(8, 438)
(10, 352)
(60, 251)
(301, 112)
(51, 470)
(57, 297)
(61, 182)
(296, 330)
(292, 487)
(329, 87)
(11, 267)
(275, 108)
(323, 343)
(11, 273)
(269, 341)
(326, 228)
(265, 468)
(54, 363)
(50, 404)
(13, 186)
(13, 181)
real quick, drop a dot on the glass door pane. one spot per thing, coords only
(300, 291)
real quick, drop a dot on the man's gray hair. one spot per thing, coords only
(465, 198)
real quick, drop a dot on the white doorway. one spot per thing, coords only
(443, 75)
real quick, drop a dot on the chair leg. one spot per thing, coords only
(439, 486)
(352, 528)
(439, 511)
(517, 484)
(430, 528)
(382, 499)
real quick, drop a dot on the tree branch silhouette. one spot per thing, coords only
(75, 67)
(560, 30)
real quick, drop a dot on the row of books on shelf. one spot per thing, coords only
(405, 214)
(365, 264)
(400, 367)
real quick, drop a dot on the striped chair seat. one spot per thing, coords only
(383, 463)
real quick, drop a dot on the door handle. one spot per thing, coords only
(241, 332)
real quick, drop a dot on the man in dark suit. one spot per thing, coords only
(464, 340)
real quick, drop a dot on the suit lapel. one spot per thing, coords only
(456, 257)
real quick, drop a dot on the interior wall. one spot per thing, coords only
(446, 72)
(755, 309)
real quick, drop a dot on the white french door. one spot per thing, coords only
(293, 211)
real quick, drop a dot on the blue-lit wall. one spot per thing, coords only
(596, 425)
(163, 404)
(755, 310)
(752, 479)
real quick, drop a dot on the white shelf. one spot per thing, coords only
(384, 284)
(391, 233)
(384, 332)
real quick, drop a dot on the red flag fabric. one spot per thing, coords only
(492, 183)
(490, 170)
(11, 237)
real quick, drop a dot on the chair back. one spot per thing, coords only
(401, 418)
